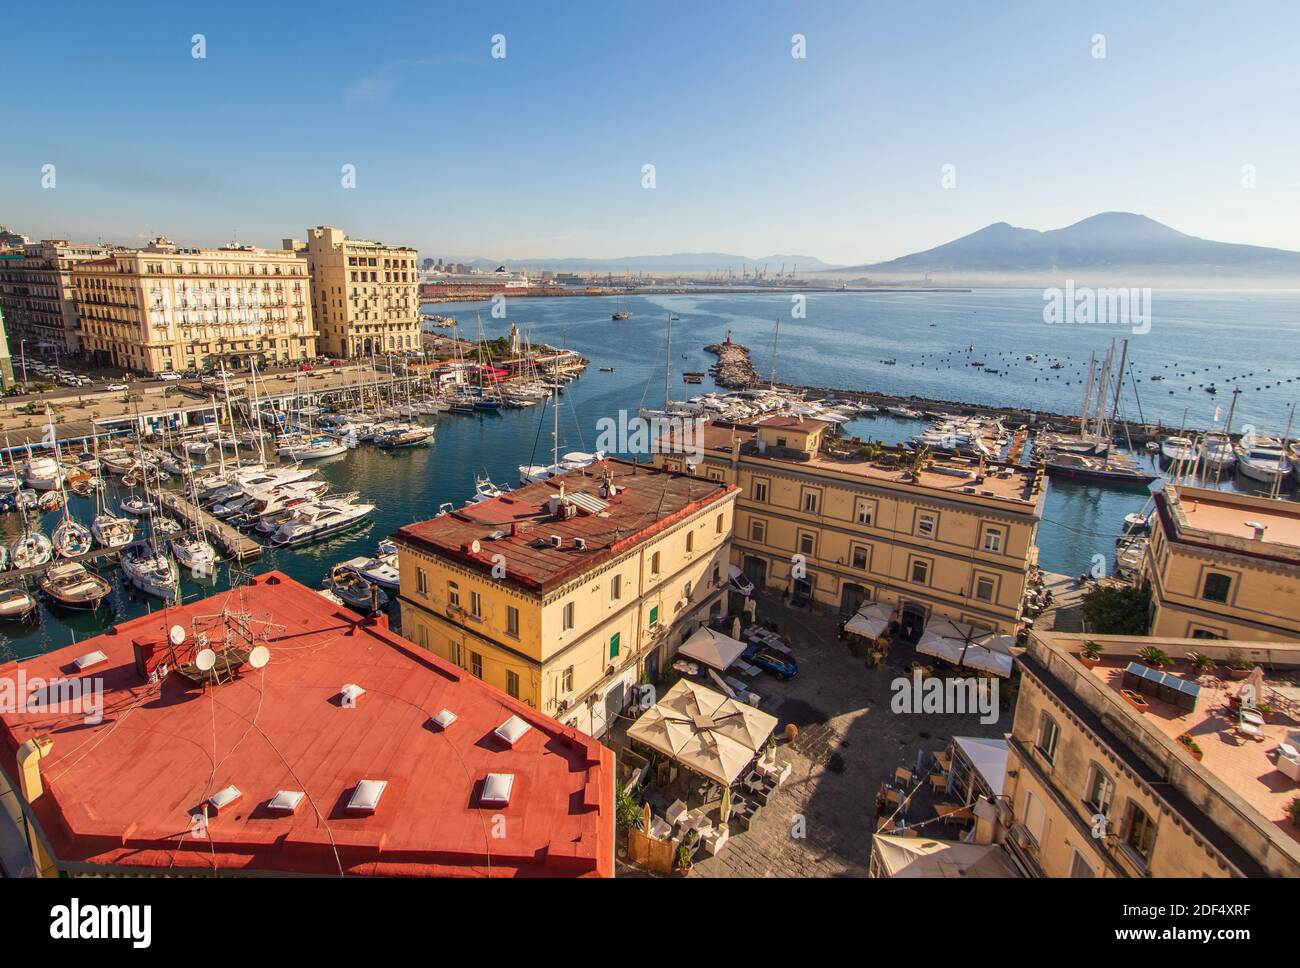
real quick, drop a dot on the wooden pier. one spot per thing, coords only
(15, 576)
(230, 540)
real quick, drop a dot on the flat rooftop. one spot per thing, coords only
(122, 792)
(519, 525)
(1234, 516)
(1246, 766)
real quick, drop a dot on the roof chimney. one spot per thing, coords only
(1258, 528)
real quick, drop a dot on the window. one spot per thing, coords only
(453, 594)
(686, 592)
(1080, 867)
(455, 655)
(716, 575)
(1216, 587)
(1206, 634)
(807, 544)
(512, 683)
(422, 582)
(993, 540)
(512, 621)
(925, 525)
(423, 632)
(1048, 734)
(616, 588)
(1100, 791)
(566, 679)
(864, 512)
(476, 665)
(860, 558)
(717, 524)
(475, 605)
(568, 616)
(654, 616)
(810, 501)
(654, 563)
(984, 588)
(690, 541)
(757, 531)
(1141, 833)
(920, 572)
(613, 646)
(760, 491)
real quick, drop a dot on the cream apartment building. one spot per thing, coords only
(165, 308)
(37, 295)
(567, 593)
(366, 295)
(822, 522)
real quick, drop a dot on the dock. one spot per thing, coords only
(15, 576)
(237, 545)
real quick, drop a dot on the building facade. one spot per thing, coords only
(826, 525)
(365, 294)
(37, 295)
(1095, 788)
(165, 309)
(567, 593)
(1223, 566)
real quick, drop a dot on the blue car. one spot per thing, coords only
(772, 662)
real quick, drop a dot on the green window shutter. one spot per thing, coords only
(613, 646)
(654, 615)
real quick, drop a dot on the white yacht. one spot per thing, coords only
(43, 473)
(381, 571)
(150, 570)
(1181, 449)
(318, 521)
(1216, 452)
(312, 449)
(111, 531)
(194, 552)
(1265, 461)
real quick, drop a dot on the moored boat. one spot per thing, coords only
(73, 585)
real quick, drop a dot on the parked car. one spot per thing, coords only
(305, 367)
(170, 377)
(767, 660)
(115, 386)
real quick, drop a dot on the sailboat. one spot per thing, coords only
(144, 564)
(31, 549)
(71, 538)
(192, 548)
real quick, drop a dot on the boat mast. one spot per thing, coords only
(776, 336)
(668, 362)
(1087, 397)
(1282, 461)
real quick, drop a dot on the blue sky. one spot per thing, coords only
(838, 155)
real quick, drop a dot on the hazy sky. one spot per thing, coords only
(838, 155)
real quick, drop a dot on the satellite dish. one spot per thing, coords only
(259, 657)
(205, 660)
(176, 634)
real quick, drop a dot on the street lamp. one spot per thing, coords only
(22, 356)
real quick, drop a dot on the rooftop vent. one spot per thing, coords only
(1258, 528)
(365, 798)
(90, 659)
(511, 731)
(497, 787)
(224, 798)
(350, 693)
(556, 541)
(445, 718)
(286, 801)
(579, 543)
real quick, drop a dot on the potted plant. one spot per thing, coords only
(1202, 663)
(1191, 746)
(1134, 699)
(1238, 665)
(1293, 811)
(686, 853)
(1265, 710)
(1151, 656)
(1090, 654)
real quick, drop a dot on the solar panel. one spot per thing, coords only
(592, 505)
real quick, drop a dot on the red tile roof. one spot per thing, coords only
(648, 501)
(122, 792)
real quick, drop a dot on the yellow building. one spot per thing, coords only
(1223, 565)
(820, 522)
(567, 593)
(36, 294)
(366, 295)
(1096, 788)
(164, 308)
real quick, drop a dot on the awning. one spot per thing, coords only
(704, 731)
(963, 645)
(930, 857)
(988, 757)
(871, 620)
(712, 648)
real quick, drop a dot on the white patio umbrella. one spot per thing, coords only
(870, 620)
(964, 645)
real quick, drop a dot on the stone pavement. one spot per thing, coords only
(820, 822)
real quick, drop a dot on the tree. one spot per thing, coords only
(1116, 610)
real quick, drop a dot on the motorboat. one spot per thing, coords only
(9, 481)
(318, 521)
(151, 571)
(43, 473)
(1217, 452)
(1264, 461)
(313, 448)
(71, 538)
(409, 437)
(73, 585)
(111, 531)
(485, 490)
(30, 550)
(16, 603)
(117, 460)
(381, 571)
(1178, 449)
(135, 506)
(349, 585)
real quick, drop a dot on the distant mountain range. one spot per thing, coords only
(686, 262)
(1110, 247)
